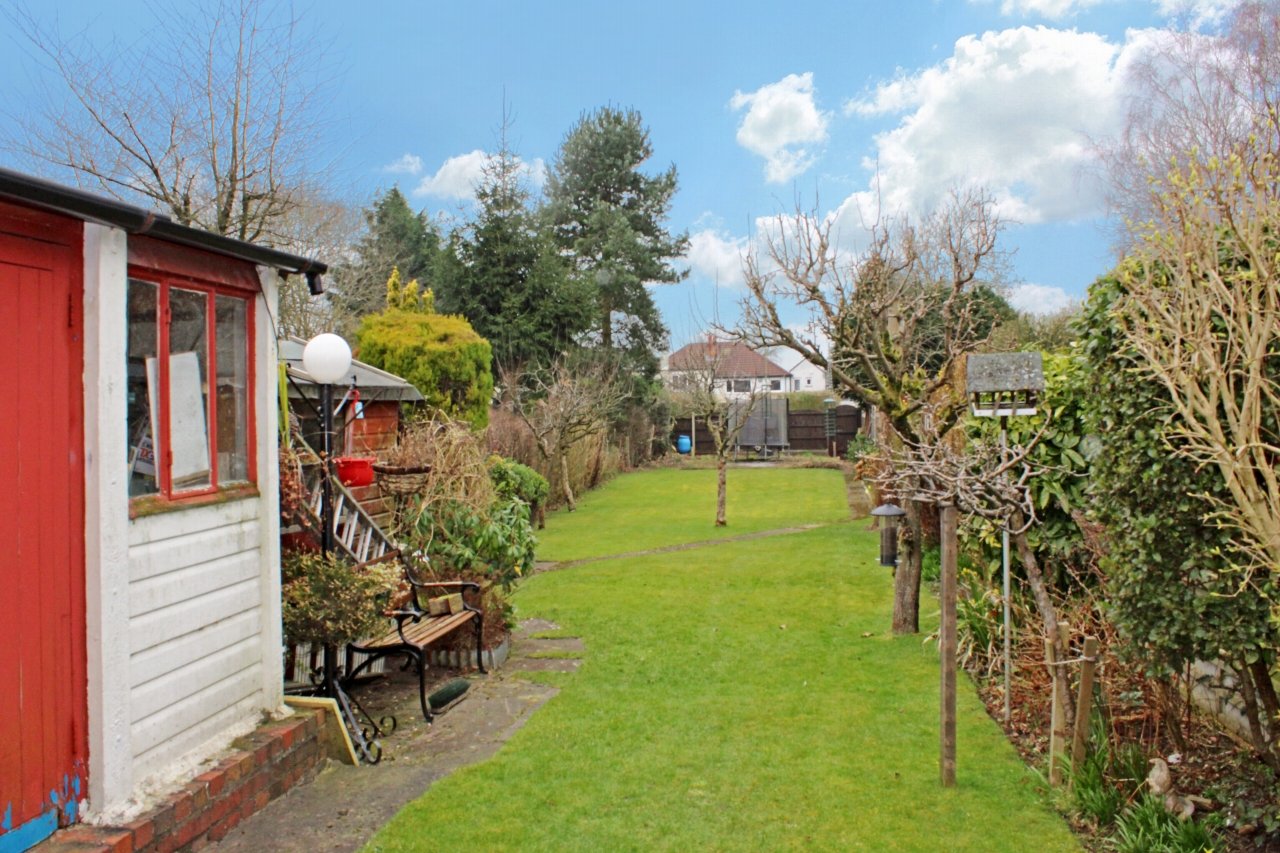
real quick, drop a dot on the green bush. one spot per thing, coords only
(1173, 585)
(460, 540)
(439, 353)
(513, 480)
(859, 446)
(325, 600)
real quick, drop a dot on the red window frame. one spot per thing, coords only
(164, 455)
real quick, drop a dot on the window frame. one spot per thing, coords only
(164, 282)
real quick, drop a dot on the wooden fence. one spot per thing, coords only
(806, 431)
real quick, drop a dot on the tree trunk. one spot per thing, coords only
(1044, 603)
(721, 490)
(1266, 691)
(1168, 708)
(1250, 697)
(539, 514)
(564, 475)
(906, 579)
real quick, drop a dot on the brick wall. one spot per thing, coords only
(266, 764)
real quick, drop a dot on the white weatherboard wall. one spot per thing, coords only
(195, 631)
(184, 605)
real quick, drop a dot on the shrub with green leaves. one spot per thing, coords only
(1172, 584)
(1148, 827)
(325, 600)
(440, 354)
(462, 541)
(513, 480)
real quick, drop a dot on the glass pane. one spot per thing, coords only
(141, 352)
(189, 389)
(232, 351)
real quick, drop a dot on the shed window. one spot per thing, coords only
(187, 435)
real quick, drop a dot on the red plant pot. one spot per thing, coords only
(355, 470)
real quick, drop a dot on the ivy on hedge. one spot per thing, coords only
(1173, 587)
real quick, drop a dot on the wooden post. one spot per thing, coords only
(1084, 703)
(693, 436)
(1057, 721)
(947, 646)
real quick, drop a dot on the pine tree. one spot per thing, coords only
(507, 279)
(610, 217)
(399, 241)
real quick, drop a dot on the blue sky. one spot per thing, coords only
(756, 104)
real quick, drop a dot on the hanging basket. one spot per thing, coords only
(402, 480)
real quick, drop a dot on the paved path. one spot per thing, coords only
(342, 809)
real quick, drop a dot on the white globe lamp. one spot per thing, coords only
(326, 358)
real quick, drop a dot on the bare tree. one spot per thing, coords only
(1192, 91)
(982, 479)
(318, 227)
(216, 116)
(899, 315)
(697, 387)
(564, 404)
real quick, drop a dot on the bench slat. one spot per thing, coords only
(425, 632)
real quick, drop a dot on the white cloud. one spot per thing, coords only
(717, 256)
(456, 178)
(409, 164)
(782, 120)
(1012, 111)
(1039, 298)
(1198, 13)
(459, 176)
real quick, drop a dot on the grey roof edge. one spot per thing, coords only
(55, 197)
(412, 394)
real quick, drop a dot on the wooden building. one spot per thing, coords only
(139, 530)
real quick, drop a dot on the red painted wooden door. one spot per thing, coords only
(43, 693)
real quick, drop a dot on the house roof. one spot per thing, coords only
(732, 360)
(375, 385)
(38, 192)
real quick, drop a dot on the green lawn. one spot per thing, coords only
(698, 723)
(652, 509)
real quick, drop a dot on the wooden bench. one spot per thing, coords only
(416, 629)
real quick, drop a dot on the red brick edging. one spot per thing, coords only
(272, 760)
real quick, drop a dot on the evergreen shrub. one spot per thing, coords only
(440, 354)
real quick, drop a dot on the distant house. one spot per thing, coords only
(740, 369)
(805, 376)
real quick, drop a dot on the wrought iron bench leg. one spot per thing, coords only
(480, 642)
(422, 687)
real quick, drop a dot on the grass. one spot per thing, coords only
(697, 722)
(656, 508)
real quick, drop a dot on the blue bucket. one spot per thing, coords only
(683, 444)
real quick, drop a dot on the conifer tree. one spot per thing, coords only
(398, 240)
(507, 279)
(611, 219)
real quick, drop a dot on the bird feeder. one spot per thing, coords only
(1003, 385)
(889, 532)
